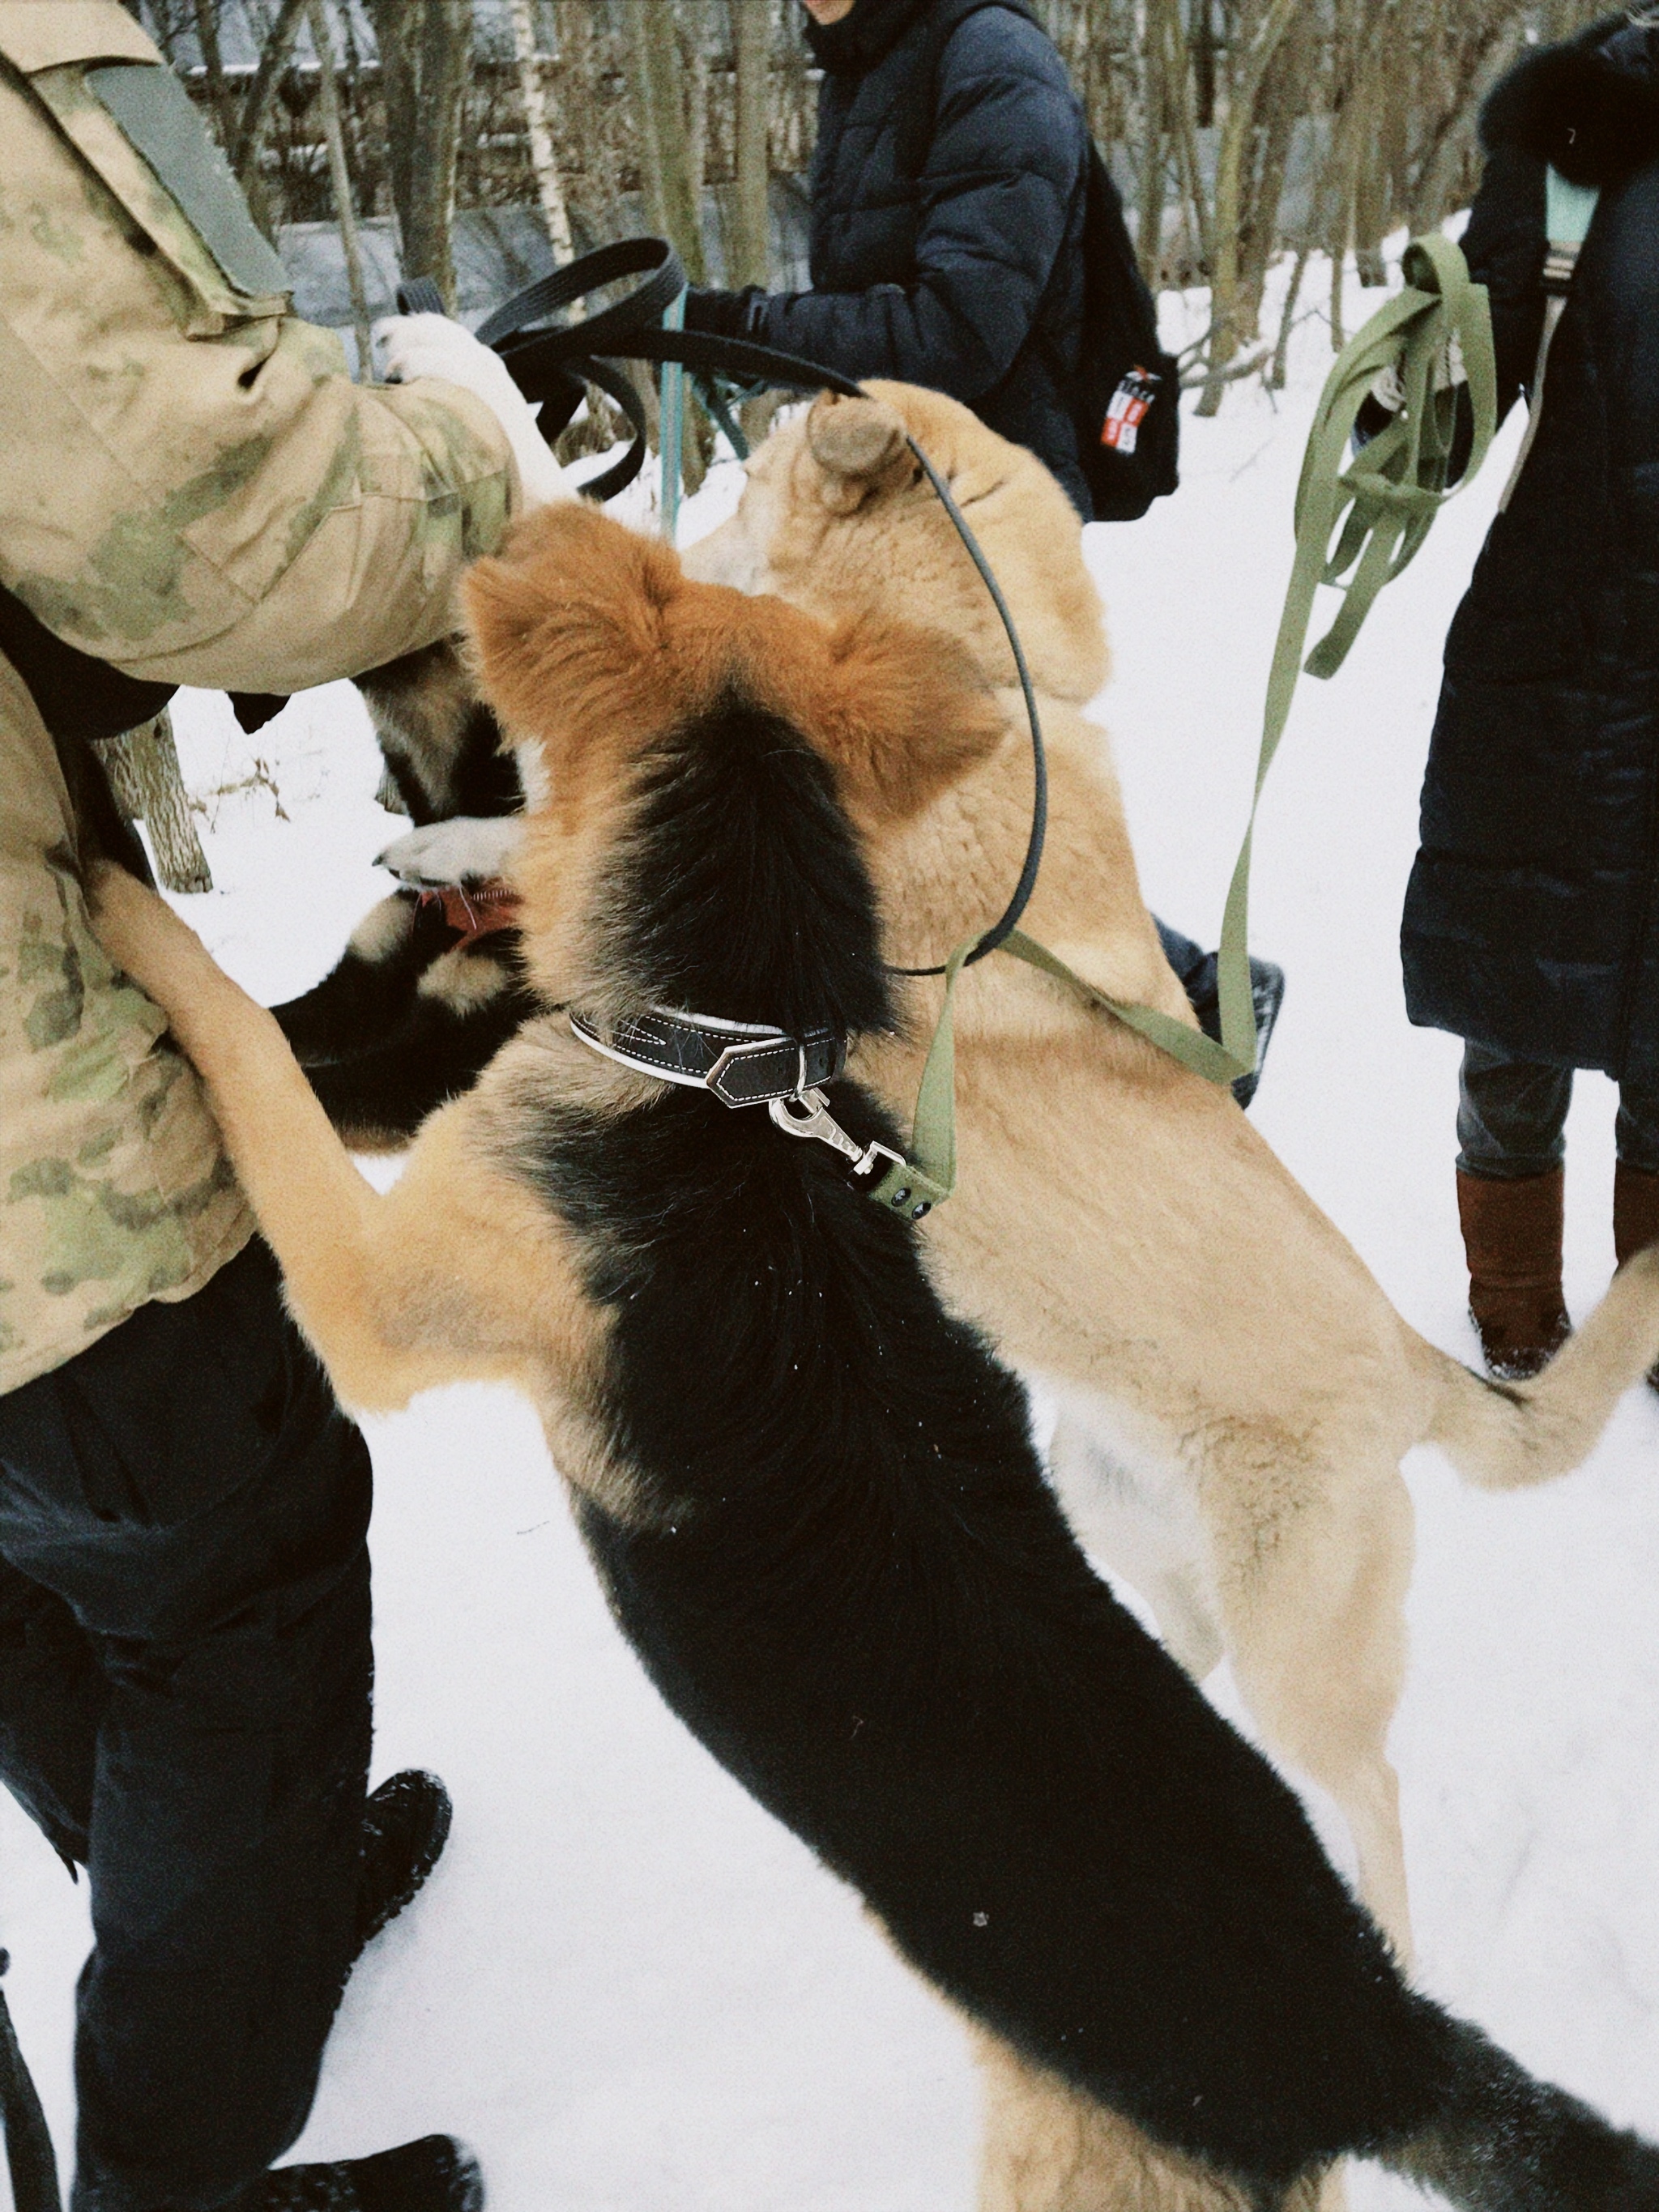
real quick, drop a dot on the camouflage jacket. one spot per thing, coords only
(191, 488)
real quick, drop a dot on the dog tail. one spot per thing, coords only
(1505, 1435)
(1505, 2142)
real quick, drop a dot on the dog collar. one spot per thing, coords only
(743, 1063)
(747, 1064)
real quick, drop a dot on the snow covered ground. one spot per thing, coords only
(626, 1985)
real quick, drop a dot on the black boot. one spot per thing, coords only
(435, 2174)
(406, 1827)
(1203, 987)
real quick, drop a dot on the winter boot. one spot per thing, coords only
(1635, 1222)
(436, 2174)
(1203, 988)
(1512, 1236)
(406, 1827)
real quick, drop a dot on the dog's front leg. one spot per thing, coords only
(375, 1282)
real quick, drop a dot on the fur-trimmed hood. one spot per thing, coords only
(1590, 107)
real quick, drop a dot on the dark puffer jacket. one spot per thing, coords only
(1532, 919)
(967, 274)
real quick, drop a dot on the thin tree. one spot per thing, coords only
(207, 32)
(752, 54)
(425, 59)
(1248, 73)
(665, 169)
(255, 118)
(543, 161)
(345, 212)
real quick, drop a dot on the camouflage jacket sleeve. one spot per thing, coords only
(191, 486)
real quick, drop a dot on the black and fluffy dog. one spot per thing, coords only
(431, 983)
(811, 1491)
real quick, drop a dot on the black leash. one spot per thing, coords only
(550, 359)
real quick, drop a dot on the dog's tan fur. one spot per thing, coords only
(1237, 1392)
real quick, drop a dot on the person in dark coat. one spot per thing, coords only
(948, 255)
(1531, 926)
(947, 250)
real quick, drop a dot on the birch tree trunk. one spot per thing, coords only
(543, 161)
(207, 32)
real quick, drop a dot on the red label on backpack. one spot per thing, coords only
(1128, 409)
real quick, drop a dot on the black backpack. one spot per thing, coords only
(1126, 394)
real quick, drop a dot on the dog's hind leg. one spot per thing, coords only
(1048, 2148)
(1148, 1533)
(1311, 1578)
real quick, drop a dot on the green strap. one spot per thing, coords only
(1377, 510)
(1356, 527)
(671, 425)
(928, 1176)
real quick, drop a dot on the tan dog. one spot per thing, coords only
(1237, 1392)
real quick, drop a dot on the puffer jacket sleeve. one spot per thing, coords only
(1505, 248)
(996, 190)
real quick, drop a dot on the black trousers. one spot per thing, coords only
(1512, 1117)
(184, 1681)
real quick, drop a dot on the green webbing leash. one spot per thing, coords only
(1356, 527)
(671, 423)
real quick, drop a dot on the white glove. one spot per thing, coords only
(468, 849)
(411, 346)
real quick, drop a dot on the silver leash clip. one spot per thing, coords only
(807, 1114)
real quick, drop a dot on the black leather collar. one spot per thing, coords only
(743, 1063)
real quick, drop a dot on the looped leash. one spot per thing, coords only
(1356, 527)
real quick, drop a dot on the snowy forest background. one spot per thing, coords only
(472, 140)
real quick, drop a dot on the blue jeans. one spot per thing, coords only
(1512, 1117)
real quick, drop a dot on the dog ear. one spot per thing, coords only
(901, 713)
(568, 627)
(861, 446)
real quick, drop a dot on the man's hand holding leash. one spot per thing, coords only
(408, 347)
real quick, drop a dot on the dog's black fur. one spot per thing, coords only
(849, 1578)
(394, 1030)
(390, 1034)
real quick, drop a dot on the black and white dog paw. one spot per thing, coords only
(468, 849)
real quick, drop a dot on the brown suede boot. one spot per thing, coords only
(1512, 1236)
(1635, 1222)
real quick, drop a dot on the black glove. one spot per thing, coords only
(724, 314)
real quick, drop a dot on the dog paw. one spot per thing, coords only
(469, 849)
(408, 347)
(141, 933)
